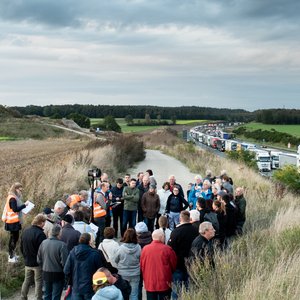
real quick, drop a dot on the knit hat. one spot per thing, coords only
(47, 211)
(152, 186)
(99, 278)
(68, 219)
(141, 227)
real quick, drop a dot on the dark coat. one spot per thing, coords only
(231, 223)
(124, 286)
(176, 203)
(70, 236)
(80, 267)
(181, 240)
(31, 239)
(203, 250)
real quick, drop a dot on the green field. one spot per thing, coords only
(6, 138)
(291, 129)
(137, 128)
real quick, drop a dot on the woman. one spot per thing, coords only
(12, 216)
(175, 204)
(219, 208)
(128, 261)
(163, 226)
(195, 192)
(163, 195)
(206, 190)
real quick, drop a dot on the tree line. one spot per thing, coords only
(278, 116)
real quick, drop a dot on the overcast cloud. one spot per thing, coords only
(235, 54)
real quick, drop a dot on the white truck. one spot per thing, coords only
(287, 159)
(263, 159)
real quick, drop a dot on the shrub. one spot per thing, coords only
(289, 175)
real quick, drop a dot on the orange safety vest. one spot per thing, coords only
(9, 216)
(99, 211)
(74, 199)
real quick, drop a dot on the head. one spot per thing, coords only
(47, 211)
(104, 177)
(109, 233)
(146, 180)
(198, 179)
(99, 280)
(172, 179)
(119, 183)
(78, 216)
(59, 207)
(104, 187)
(127, 178)
(239, 191)
(152, 189)
(225, 178)
(130, 236)
(83, 194)
(39, 220)
(201, 203)
(184, 217)
(16, 189)
(206, 184)
(56, 231)
(163, 222)
(208, 205)
(158, 235)
(194, 215)
(67, 219)
(141, 227)
(220, 194)
(85, 238)
(176, 190)
(226, 199)
(215, 188)
(110, 277)
(149, 172)
(140, 176)
(207, 230)
(166, 186)
(218, 206)
(132, 183)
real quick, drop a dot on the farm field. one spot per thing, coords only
(291, 129)
(129, 129)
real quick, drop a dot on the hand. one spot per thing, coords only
(27, 203)
(117, 198)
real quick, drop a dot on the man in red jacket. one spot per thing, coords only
(158, 262)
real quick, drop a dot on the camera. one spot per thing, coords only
(95, 173)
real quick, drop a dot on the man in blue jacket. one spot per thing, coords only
(81, 264)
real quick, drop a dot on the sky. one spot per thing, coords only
(226, 53)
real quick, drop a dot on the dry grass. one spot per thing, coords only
(262, 264)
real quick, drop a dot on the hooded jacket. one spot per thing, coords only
(81, 264)
(128, 259)
(108, 293)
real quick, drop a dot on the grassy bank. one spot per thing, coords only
(262, 264)
(50, 169)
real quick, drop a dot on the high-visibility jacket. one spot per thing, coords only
(9, 216)
(99, 211)
(74, 200)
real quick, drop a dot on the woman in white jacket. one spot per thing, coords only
(163, 195)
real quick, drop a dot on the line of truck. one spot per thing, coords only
(266, 159)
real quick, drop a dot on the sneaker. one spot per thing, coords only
(12, 259)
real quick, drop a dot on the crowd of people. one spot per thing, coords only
(75, 246)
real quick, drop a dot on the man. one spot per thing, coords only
(127, 180)
(31, 239)
(158, 262)
(131, 199)
(227, 185)
(120, 283)
(195, 218)
(100, 210)
(68, 234)
(202, 247)
(81, 264)
(150, 205)
(139, 180)
(59, 211)
(180, 241)
(52, 256)
(240, 203)
(173, 183)
(143, 188)
(118, 209)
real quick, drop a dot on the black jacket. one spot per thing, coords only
(70, 236)
(231, 223)
(176, 203)
(181, 240)
(31, 239)
(203, 250)
(123, 285)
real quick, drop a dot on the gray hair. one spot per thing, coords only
(59, 204)
(204, 226)
(158, 235)
(194, 215)
(198, 177)
(207, 182)
(56, 229)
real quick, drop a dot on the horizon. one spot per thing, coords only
(203, 53)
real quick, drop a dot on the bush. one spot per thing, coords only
(81, 120)
(289, 175)
(246, 157)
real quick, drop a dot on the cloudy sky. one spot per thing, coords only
(226, 53)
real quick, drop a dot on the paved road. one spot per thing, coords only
(163, 166)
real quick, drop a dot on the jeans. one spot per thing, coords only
(165, 295)
(53, 289)
(180, 280)
(32, 273)
(82, 296)
(173, 219)
(100, 222)
(118, 215)
(129, 216)
(149, 223)
(134, 283)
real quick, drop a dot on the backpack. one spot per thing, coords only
(213, 219)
